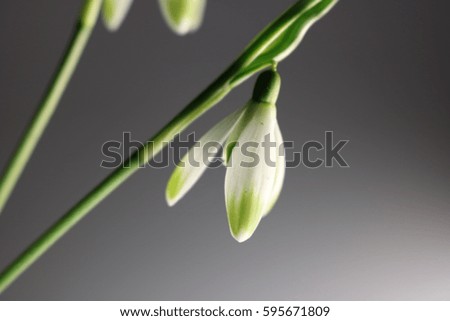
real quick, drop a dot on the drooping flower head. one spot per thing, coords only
(254, 179)
(253, 154)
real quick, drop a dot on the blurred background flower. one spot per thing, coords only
(183, 16)
(114, 12)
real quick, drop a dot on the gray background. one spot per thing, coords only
(374, 72)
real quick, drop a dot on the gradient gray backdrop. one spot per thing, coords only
(374, 72)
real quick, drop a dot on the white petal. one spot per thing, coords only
(114, 12)
(281, 169)
(183, 16)
(248, 185)
(196, 161)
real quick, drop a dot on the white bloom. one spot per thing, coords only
(114, 12)
(183, 16)
(255, 171)
(250, 180)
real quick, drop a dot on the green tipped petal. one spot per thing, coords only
(114, 12)
(183, 16)
(250, 178)
(196, 161)
(281, 169)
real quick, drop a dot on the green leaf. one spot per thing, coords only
(283, 36)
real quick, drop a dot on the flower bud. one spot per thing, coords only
(253, 184)
(114, 12)
(249, 179)
(183, 16)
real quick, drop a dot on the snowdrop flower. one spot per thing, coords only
(183, 16)
(114, 12)
(252, 183)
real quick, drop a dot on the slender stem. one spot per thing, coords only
(206, 100)
(50, 101)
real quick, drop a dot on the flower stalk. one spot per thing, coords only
(39, 122)
(302, 13)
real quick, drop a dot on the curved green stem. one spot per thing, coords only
(50, 101)
(233, 76)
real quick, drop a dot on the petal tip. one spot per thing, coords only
(182, 30)
(110, 26)
(171, 199)
(170, 202)
(241, 237)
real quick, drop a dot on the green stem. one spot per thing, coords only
(211, 96)
(50, 101)
(233, 76)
